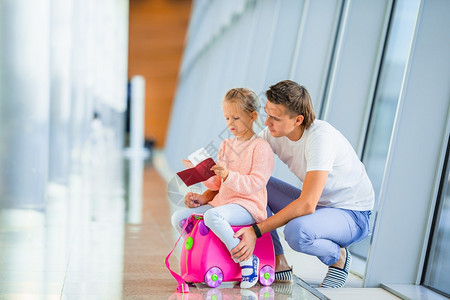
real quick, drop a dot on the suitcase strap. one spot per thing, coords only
(182, 285)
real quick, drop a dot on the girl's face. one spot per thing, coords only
(239, 122)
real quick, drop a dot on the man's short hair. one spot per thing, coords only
(295, 98)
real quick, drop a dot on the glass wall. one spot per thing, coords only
(24, 103)
(387, 95)
(61, 63)
(415, 158)
(438, 263)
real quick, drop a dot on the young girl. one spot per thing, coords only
(243, 168)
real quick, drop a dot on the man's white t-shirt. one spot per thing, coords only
(324, 148)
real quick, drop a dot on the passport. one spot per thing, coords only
(198, 173)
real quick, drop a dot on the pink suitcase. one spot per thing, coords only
(204, 258)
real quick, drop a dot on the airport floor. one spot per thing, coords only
(105, 235)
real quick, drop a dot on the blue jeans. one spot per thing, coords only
(219, 219)
(321, 233)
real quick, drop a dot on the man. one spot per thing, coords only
(332, 210)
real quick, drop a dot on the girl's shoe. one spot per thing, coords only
(250, 270)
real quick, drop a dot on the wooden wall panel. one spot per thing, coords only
(157, 31)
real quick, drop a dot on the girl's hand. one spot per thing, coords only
(246, 246)
(187, 163)
(220, 171)
(195, 200)
(192, 200)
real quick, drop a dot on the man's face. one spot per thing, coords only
(279, 122)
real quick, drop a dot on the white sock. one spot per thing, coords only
(248, 262)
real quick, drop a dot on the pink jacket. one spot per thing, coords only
(250, 164)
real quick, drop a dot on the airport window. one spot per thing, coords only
(389, 85)
(438, 260)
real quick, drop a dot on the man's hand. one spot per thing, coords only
(246, 246)
(220, 171)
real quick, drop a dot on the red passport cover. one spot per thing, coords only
(199, 173)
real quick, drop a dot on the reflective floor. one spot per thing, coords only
(106, 235)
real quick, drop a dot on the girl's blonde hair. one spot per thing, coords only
(246, 98)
